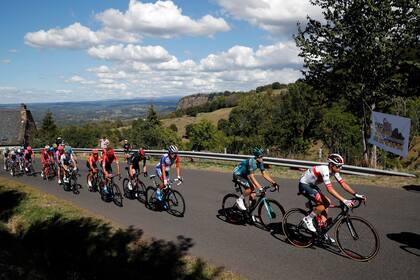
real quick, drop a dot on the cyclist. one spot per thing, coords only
(244, 174)
(164, 166)
(107, 159)
(28, 156)
(135, 159)
(126, 148)
(67, 160)
(45, 161)
(20, 156)
(308, 186)
(57, 157)
(6, 153)
(93, 158)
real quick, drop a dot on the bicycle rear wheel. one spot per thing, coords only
(230, 209)
(176, 203)
(295, 230)
(357, 238)
(271, 215)
(117, 196)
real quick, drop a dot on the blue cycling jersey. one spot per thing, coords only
(247, 167)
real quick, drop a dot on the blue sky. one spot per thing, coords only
(91, 50)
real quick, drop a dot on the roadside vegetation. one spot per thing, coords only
(43, 237)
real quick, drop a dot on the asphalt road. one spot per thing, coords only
(255, 253)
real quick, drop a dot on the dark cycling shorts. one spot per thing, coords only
(242, 181)
(310, 191)
(88, 166)
(108, 168)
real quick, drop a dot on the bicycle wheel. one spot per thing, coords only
(271, 215)
(141, 192)
(230, 209)
(126, 190)
(357, 238)
(117, 196)
(176, 203)
(295, 230)
(151, 201)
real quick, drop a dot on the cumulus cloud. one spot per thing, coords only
(130, 52)
(276, 16)
(6, 61)
(238, 57)
(160, 19)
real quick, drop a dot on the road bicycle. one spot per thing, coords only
(49, 171)
(138, 188)
(29, 168)
(96, 180)
(171, 200)
(70, 183)
(14, 168)
(355, 236)
(110, 191)
(269, 213)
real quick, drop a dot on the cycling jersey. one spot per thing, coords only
(107, 161)
(247, 167)
(168, 162)
(28, 154)
(126, 148)
(135, 160)
(66, 159)
(91, 160)
(45, 157)
(320, 174)
(57, 157)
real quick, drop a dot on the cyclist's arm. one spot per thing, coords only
(74, 162)
(347, 188)
(267, 177)
(104, 169)
(333, 192)
(254, 181)
(118, 166)
(163, 169)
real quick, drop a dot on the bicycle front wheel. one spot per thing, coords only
(357, 238)
(126, 190)
(117, 196)
(295, 230)
(271, 215)
(176, 203)
(141, 192)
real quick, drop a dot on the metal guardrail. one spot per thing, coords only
(292, 163)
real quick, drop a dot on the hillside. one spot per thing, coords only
(182, 122)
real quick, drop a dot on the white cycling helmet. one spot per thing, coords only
(19, 150)
(336, 160)
(173, 149)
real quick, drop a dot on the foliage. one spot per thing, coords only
(173, 127)
(205, 136)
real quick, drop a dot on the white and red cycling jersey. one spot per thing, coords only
(320, 174)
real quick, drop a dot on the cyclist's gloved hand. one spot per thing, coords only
(348, 203)
(362, 196)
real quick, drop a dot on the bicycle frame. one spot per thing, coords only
(260, 199)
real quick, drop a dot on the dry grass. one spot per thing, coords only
(182, 122)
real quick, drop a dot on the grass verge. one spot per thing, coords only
(43, 237)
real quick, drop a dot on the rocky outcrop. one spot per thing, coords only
(192, 101)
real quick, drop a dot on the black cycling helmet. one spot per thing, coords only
(336, 160)
(257, 151)
(172, 149)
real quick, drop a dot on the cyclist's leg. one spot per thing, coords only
(313, 193)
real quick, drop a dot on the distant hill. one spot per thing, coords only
(77, 113)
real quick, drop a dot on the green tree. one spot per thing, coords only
(205, 136)
(364, 51)
(152, 117)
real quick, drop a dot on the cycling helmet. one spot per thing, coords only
(29, 148)
(61, 148)
(67, 149)
(110, 153)
(257, 152)
(336, 160)
(141, 152)
(54, 146)
(47, 147)
(18, 150)
(125, 141)
(51, 149)
(173, 149)
(95, 151)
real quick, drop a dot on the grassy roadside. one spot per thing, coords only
(43, 237)
(287, 173)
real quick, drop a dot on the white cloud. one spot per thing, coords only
(63, 91)
(239, 57)
(160, 19)
(80, 80)
(8, 90)
(6, 61)
(130, 52)
(73, 36)
(276, 16)
(13, 51)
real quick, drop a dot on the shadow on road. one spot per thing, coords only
(410, 241)
(83, 248)
(412, 188)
